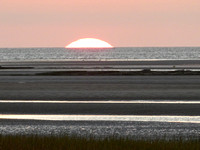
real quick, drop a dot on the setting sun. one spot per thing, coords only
(89, 43)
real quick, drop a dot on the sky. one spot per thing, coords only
(122, 23)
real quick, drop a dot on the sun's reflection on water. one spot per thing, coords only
(146, 118)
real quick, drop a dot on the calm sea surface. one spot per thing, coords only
(24, 54)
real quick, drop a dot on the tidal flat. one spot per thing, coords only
(40, 89)
(90, 108)
(99, 88)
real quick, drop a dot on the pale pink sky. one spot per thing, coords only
(56, 23)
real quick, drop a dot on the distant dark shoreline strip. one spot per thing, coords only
(146, 72)
(118, 73)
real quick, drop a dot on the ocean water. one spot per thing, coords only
(123, 53)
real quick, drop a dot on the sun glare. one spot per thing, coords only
(89, 43)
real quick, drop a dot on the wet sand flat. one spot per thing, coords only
(100, 109)
(99, 88)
